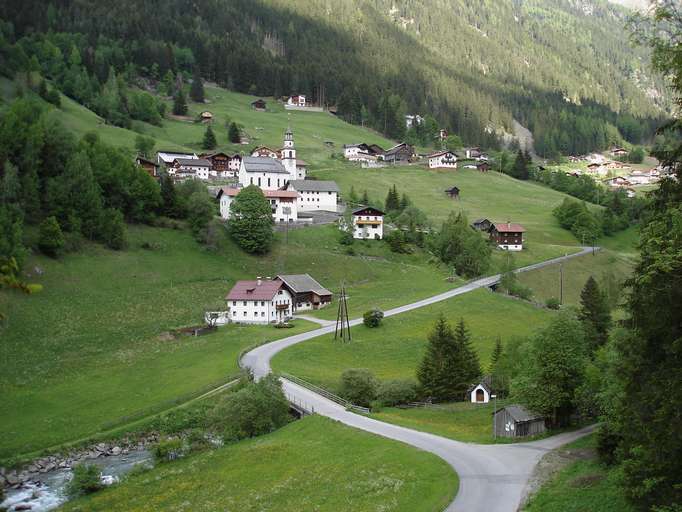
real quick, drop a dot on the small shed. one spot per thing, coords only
(483, 166)
(517, 421)
(479, 393)
(453, 193)
(206, 116)
(481, 224)
(259, 105)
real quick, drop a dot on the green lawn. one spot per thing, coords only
(394, 350)
(312, 464)
(583, 485)
(462, 421)
(546, 282)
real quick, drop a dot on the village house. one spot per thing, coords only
(481, 224)
(262, 301)
(598, 169)
(413, 120)
(368, 223)
(400, 153)
(306, 292)
(314, 195)
(642, 178)
(265, 151)
(199, 168)
(474, 154)
(149, 166)
(507, 236)
(442, 134)
(297, 100)
(618, 152)
(362, 152)
(483, 166)
(517, 421)
(442, 160)
(259, 105)
(220, 163)
(479, 393)
(167, 158)
(206, 116)
(617, 182)
(283, 203)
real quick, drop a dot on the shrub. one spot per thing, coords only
(359, 386)
(113, 229)
(51, 238)
(85, 480)
(196, 440)
(397, 241)
(346, 237)
(396, 392)
(258, 408)
(167, 450)
(553, 303)
(372, 318)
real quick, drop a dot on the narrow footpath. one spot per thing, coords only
(493, 478)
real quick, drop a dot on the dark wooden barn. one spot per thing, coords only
(452, 193)
(517, 421)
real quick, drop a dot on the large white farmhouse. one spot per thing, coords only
(368, 223)
(282, 202)
(259, 302)
(167, 157)
(197, 168)
(443, 160)
(314, 195)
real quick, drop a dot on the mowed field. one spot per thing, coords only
(311, 464)
(394, 350)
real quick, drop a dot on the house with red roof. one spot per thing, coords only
(507, 235)
(262, 301)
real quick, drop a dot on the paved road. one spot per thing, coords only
(493, 478)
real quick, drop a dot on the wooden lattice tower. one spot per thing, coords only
(342, 330)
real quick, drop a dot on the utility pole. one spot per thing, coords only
(342, 329)
(494, 397)
(561, 283)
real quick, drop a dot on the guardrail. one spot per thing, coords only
(323, 392)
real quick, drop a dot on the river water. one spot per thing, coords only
(46, 491)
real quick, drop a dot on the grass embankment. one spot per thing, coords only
(86, 351)
(584, 484)
(394, 350)
(312, 464)
(462, 421)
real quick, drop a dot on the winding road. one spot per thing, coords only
(493, 478)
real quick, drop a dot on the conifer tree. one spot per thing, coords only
(51, 238)
(196, 91)
(392, 200)
(179, 103)
(233, 133)
(497, 353)
(365, 198)
(209, 139)
(467, 367)
(169, 197)
(404, 202)
(594, 314)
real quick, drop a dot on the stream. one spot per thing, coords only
(47, 490)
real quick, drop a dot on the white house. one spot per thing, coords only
(168, 157)
(368, 223)
(301, 169)
(443, 160)
(199, 168)
(266, 173)
(297, 100)
(283, 203)
(315, 195)
(479, 394)
(413, 120)
(259, 302)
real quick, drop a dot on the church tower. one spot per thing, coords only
(289, 154)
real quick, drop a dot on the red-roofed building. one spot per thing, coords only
(507, 235)
(259, 302)
(284, 203)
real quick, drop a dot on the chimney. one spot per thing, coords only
(259, 281)
(508, 224)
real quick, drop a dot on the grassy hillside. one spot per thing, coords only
(394, 350)
(312, 464)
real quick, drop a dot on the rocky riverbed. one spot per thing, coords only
(40, 485)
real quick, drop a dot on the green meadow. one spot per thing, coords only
(311, 464)
(394, 350)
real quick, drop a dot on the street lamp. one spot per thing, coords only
(494, 397)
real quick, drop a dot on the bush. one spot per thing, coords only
(396, 392)
(51, 238)
(372, 318)
(85, 480)
(346, 237)
(167, 450)
(196, 440)
(397, 242)
(256, 409)
(113, 229)
(359, 386)
(552, 303)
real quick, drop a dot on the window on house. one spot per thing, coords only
(263, 313)
(234, 302)
(262, 303)
(234, 313)
(244, 313)
(245, 303)
(268, 182)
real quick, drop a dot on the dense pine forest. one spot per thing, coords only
(559, 67)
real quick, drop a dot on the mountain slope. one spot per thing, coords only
(475, 67)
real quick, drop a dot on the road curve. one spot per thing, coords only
(493, 478)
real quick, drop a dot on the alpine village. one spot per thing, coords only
(350, 255)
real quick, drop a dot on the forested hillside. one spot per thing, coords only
(563, 68)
